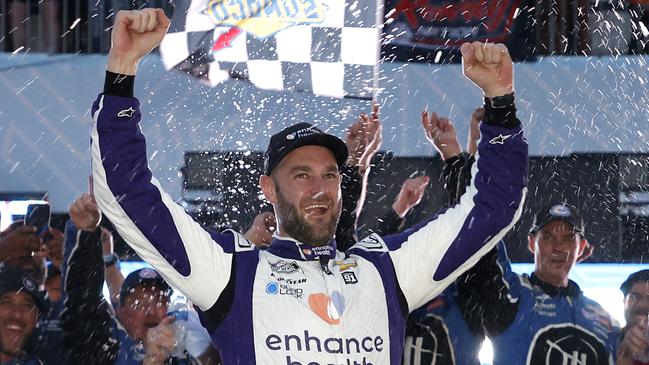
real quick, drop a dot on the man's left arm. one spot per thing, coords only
(439, 250)
(363, 140)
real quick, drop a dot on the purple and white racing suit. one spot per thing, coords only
(292, 303)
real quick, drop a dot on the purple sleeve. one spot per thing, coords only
(158, 229)
(430, 256)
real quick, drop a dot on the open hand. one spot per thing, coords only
(363, 139)
(20, 242)
(441, 133)
(410, 195)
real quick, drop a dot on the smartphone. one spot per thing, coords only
(38, 215)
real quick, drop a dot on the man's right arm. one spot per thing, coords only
(158, 229)
(486, 298)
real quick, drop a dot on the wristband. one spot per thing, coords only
(110, 260)
(498, 102)
(119, 85)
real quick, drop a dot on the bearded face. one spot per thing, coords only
(305, 191)
(315, 224)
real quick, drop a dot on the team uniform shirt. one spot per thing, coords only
(293, 303)
(437, 333)
(543, 325)
(47, 338)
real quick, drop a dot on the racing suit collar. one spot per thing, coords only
(290, 248)
(572, 290)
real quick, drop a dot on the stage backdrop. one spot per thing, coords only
(433, 30)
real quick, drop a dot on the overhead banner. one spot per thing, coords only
(327, 47)
(434, 30)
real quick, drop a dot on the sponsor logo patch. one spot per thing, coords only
(284, 267)
(126, 113)
(567, 344)
(500, 139)
(346, 264)
(328, 308)
(275, 288)
(349, 278)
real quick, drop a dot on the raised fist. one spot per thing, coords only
(84, 213)
(135, 33)
(489, 66)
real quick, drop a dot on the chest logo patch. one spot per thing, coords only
(566, 344)
(285, 267)
(349, 277)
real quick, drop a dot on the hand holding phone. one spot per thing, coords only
(38, 215)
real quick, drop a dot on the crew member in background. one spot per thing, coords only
(542, 318)
(21, 303)
(634, 346)
(139, 330)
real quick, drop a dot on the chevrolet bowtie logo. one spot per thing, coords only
(126, 113)
(500, 139)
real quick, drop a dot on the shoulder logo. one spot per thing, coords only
(373, 242)
(126, 113)
(241, 244)
(500, 139)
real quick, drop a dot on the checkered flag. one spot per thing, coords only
(327, 47)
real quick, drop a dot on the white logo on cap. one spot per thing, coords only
(304, 132)
(290, 136)
(560, 211)
(148, 274)
(27, 284)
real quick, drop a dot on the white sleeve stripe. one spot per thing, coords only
(210, 264)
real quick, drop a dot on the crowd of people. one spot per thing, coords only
(298, 287)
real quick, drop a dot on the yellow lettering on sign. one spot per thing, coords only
(264, 17)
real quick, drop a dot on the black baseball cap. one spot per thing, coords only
(14, 280)
(558, 212)
(641, 276)
(300, 135)
(139, 277)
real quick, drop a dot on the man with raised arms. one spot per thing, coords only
(301, 301)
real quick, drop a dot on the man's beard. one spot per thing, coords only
(299, 229)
